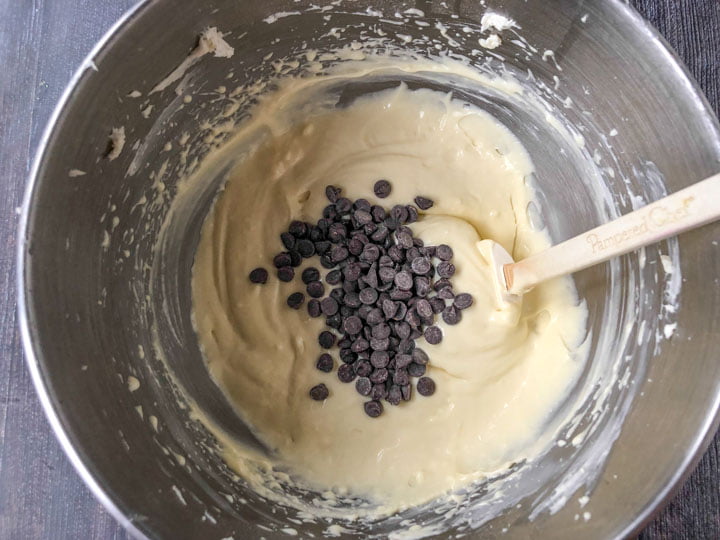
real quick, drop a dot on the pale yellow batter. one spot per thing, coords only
(500, 374)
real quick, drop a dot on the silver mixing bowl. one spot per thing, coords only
(93, 292)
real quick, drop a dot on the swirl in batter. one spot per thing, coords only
(501, 373)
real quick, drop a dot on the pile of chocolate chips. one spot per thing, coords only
(386, 289)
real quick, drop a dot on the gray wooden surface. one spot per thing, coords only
(41, 43)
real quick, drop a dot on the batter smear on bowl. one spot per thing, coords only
(476, 383)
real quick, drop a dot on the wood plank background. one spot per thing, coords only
(41, 44)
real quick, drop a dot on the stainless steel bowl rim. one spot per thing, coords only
(103, 493)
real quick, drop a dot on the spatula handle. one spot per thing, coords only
(687, 209)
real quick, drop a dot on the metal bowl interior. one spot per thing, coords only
(103, 301)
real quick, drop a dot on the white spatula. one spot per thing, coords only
(687, 209)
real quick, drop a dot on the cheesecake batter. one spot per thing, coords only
(501, 373)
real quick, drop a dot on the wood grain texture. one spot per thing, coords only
(41, 43)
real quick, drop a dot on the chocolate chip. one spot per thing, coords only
(402, 361)
(332, 193)
(352, 325)
(412, 253)
(362, 204)
(326, 262)
(404, 240)
(375, 316)
(403, 330)
(424, 308)
(346, 373)
(315, 289)
(352, 272)
(352, 300)
(326, 339)
(444, 252)
(325, 363)
(394, 395)
(438, 304)
(313, 307)
(363, 312)
(363, 386)
(333, 277)
(295, 258)
(412, 318)
(451, 315)
(347, 356)
(373, 408)
(403, 280)
(363, 368)
(406, 346)
(382, 189)
(355, 246)
(298, 229)
(305, 248)
(370, 228)
(397, 254)
(433, 335)
(259, 275)
(423, 203)
(288, 240)
(329, 212)
(329, 306)
(401, 311)
(401, 377)
(381, 331)
(343, 205)
(463, 301)
(446, 269)
(316, 235)
(379, 391)
(419, 356)
(337, 233)
(441, 284)
(412, 214)
(368, 295)
(389, 308)
(380, 375)
(386, 274)
(421, 266)
(379, 344)
(310, 274)
(380, 234)
(378, 214)
(282, 259)
(385, 261)
(391, 223)
(319, 392)
(295, 300)
(407, 392)
(322, 247)
(427, 251)
(399, 213)
(422, 286)
(425, 386)
(379, 359)
(416, 370)
(446, 293)
(371, 253)
(360, 345)
(363, 217)
(334, 321)
(338, 253)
